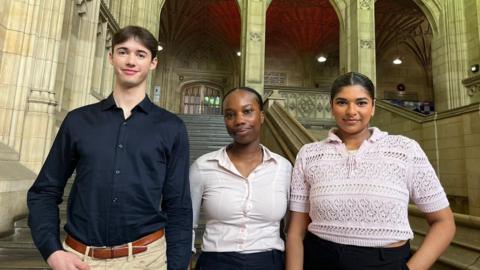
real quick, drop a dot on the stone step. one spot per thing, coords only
(21, 259)
(7, 153)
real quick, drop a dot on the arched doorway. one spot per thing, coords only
(201, 98)
(201, 40)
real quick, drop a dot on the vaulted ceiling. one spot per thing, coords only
(186, 23)
(303, 25)
(307, 25)
(402, 23)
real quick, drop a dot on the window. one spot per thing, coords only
(201, 99)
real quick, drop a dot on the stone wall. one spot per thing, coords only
(451, 140)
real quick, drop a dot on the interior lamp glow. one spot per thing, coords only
(239, 53)
(397, 61)
(321, 59)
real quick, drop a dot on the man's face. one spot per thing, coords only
(131, 62)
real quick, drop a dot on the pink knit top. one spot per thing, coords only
(362, 198)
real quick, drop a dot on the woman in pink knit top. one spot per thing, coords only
(350, 193)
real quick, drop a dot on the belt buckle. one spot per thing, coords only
(92, 252)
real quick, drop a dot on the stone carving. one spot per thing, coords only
(366, 44)
(81, 6)
(275, 78)
(472, 90)
(365, 4)
(307, 105)
(473, 85)
(108, 38)
(255, 36)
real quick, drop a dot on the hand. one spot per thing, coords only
(62, 260)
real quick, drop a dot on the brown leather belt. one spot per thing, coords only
(138, 246)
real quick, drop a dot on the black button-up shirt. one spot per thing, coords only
(131, 180)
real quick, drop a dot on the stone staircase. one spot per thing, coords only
(16, 248)
(206, 133)
(17, 251)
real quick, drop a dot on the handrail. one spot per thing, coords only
(421, 118)
(289, 134)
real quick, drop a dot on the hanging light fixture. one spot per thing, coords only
(322, 58)
(160, 47)
(397, 61)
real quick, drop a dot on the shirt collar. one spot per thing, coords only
(222, 157)
(377, 134)
(144, 106)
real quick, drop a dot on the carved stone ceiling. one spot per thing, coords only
(307, 25)
(185, 23)
(397, 20)
(304, 25)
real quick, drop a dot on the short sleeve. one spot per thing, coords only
(425, 188)
(299, 188)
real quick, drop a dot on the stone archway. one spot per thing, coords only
(404, 55)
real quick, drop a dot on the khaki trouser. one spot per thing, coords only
(153, 258)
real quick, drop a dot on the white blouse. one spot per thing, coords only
(242, 214)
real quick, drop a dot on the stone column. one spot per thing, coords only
(358, 35)
(449, 53)
(82, 42)
(29, 61)
(38, 124)
(253, 16)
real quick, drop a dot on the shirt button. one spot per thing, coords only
(115, 200)
(117, 171)
(124, 123)
(120, 146)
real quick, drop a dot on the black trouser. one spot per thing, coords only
(320, 254)
(268, 260)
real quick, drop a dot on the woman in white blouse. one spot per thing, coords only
(243, 189)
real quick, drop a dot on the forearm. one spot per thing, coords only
(435, 243)
(294, 252)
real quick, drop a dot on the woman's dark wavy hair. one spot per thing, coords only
(258, 97)
(349, 79)
(139, 34)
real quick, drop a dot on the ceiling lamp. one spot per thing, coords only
(474, 68)
(397, 61)
(321, 59)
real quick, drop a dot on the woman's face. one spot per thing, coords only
(243, 117)
(352, 108)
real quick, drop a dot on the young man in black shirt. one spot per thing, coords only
(131, 191)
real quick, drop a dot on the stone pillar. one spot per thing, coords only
(449, 53)
(145, 13)
(42, 65)
(38, 128)
(29, 62)
(253, 17)
(358, 35)
(82, 43)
